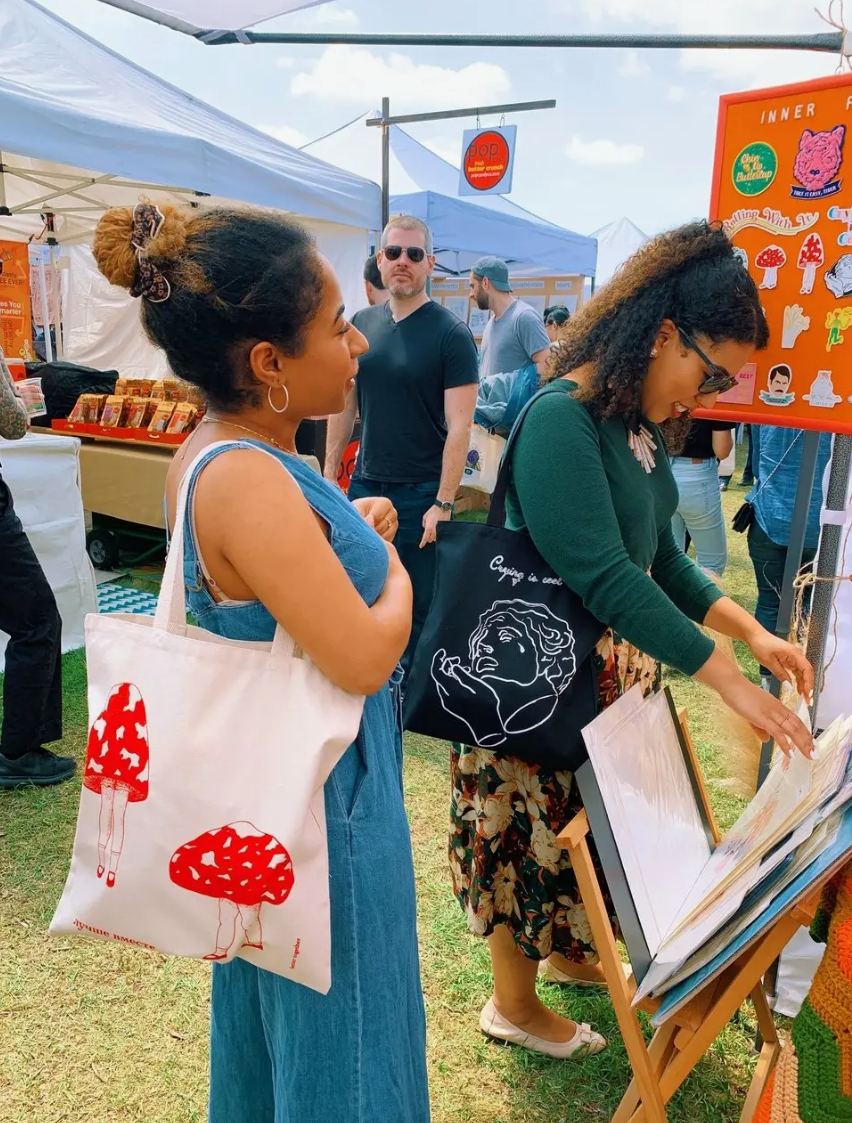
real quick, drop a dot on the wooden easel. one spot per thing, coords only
(659, 1068)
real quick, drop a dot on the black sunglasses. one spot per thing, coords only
(718, 380)
(414, 253)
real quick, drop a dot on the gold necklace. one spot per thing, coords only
(253, 432)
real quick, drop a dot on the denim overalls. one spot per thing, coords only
(281, 1053)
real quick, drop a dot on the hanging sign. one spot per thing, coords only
(16, 332)
(488, 160)
(782, 186)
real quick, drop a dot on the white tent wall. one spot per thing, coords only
(101, 322)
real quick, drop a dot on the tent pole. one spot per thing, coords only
(42, 286)
(385, 163)
(57, 301)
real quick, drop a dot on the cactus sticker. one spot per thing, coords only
(755, 168)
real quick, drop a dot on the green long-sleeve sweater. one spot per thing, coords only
(602, 523)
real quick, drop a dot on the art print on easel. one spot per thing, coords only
(520, 659)
(116, 769)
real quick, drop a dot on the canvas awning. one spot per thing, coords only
(193, 17)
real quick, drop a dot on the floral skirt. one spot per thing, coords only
(506, 863)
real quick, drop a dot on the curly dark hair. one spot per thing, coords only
(690, 276)
(238, 277)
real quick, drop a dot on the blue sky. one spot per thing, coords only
(632, 133)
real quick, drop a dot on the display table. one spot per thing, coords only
(43, 472)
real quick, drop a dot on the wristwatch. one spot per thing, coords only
(445, 507)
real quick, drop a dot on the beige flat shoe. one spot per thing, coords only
(550, 974)
(584, 1043)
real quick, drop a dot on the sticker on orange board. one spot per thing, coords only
(811, 258)
(818, 162)
(770, 220)
(778, 383)
(743, 393)
(770, 261)
(242, 868)
(837, 322)
(844, 215)
(742, 256)
(794, 323)
(838, 279)
(822, 393)
(117, 770)
(755, 168)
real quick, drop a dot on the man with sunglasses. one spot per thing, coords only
(416, 391)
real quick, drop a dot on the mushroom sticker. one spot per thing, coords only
(778, 383)
(811, 258)
(241, 867)
(117, 770)
(770, 260)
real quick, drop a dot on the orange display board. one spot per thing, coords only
(15, 313)
(782, 185)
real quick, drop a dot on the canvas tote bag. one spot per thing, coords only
(483, 460)
(505, 660)
(201, 829)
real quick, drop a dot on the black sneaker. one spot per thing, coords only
(39, 767)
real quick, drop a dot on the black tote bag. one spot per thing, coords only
(506, 657)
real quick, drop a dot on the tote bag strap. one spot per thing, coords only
(170, 615)
(497, 510)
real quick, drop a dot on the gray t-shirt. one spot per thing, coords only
(510, 342)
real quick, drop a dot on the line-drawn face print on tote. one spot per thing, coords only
(521, 659)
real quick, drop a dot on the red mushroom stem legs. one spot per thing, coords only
(226, 934)
(808, 279)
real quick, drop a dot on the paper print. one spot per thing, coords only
(811, 258)
(795, 322)
(770, 260)
(770, 220)
(838, 279)
(117, 770)
(243, 868)
(520, 660)
(818, 163)
(822, 393)
(844, 215)
(778, 382)
(837, 322)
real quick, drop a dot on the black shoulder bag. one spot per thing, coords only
(506, 658)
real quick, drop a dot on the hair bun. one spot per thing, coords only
(113, 249)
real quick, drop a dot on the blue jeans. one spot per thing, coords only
(412, 501)
(700, 512)
(769, 561)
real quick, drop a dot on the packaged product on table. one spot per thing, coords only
(182, 418)
(114, 411)
(162, 417)
(139, 413)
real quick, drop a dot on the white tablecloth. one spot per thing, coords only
(42, 473)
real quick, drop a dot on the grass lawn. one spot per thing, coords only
(94, 1033)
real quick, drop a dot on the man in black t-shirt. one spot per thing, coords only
(416, 391)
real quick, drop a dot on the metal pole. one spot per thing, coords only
(42, 286)
(450, 114)
(385, 162)
(795, 549)
(826, 566)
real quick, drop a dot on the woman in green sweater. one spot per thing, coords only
(593, 487)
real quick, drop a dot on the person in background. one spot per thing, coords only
(416, 391)
(374, 286)
(777, 458)
(748, 471)
(592, 486)
(554, 320)
(253, 316)
(699, 510)
(32, 687)
(514, 336)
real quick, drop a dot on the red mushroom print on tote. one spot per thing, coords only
(770, 260)
(243, 868)
(117, 769)
(811, 257)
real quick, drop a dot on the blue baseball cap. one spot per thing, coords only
(496, 270)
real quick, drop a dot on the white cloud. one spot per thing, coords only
(328, 16)
(285, 62)
(753, 70)
(677, 93)
(633, 66)
(596, 152)
(355, 74)
(286, 134)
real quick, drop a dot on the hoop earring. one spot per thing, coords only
(272, 404)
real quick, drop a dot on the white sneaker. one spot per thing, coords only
(584, 1043)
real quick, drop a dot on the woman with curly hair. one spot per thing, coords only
(593, 487)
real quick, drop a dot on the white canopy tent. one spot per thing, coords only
(194, 16)
(83, 129)
(616, 242)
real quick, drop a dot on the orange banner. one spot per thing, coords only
(781, 187)
(15, 314)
